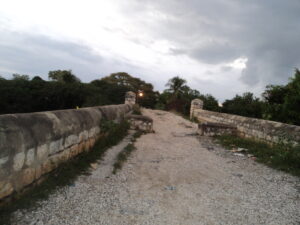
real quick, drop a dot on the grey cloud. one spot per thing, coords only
(215, 53)
(218, 31)
(36, 55)
(212, 53)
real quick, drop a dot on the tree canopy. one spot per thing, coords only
(245, 105)
(64, 76)
(134, 84)
(64, 90)
(283, 101)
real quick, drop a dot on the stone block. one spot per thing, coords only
(6, 189)
(64, 155)
(130, 98)
(27, 177)
(71, 140)
(19, 160)
(92, 142)
(42, 152)
(81, 147)
(83, 136)
(87, 145)
(93, 132)
(56, 146)
(212, 129)
(48, 166)
(30, 156)
(3, 160)
(38, 172)
(74, 150)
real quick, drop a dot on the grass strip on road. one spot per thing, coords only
(125, 153)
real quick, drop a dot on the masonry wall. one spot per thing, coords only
(33, 144)
(264, 130)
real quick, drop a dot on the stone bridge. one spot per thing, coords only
(174, 176)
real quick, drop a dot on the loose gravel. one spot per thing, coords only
(174, 177)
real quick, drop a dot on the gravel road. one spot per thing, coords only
(174, 177)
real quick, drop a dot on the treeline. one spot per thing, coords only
(64, 91)
(279, 102)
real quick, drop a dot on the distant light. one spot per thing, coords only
(141, 94)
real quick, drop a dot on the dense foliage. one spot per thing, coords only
(280, 103)
(134, 84)
(283, 101)
(245, 105)
(178, 97)
(65, 91)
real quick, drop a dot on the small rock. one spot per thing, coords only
(242, 149)
(94, 165)
(237, 174)
(238, 154)
(170, 188)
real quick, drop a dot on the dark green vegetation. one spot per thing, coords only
(280, 103)
(67, 172)
(178, 97)
(65, 91)
(245, 105)
(284, 101)
(125, 153)
(282, 156)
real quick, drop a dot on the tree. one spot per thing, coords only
(177, 86)
(64, 76)
(20, 77)
(179, 96)
(283, 101)
(134, 84)
(292, 99)
(245, 105)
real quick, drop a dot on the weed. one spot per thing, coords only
(282, 156)
(66, 173)
(136, 110)
(125, 153)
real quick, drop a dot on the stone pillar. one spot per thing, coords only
(195, 104)
(130, 97)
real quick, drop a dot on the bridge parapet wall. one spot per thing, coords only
(264, 130)
(33, 144)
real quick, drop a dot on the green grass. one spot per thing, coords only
(285, 157)
(125, 153)
(66, 173)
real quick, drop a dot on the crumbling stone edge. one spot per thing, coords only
(33, 144)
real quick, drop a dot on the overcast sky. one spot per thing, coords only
(221, 47)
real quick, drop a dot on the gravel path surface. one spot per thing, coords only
(174, 177)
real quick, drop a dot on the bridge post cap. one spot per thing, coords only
(130, 97)
(197, 101)
(130, 94)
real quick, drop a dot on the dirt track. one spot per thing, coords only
(175, 177)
